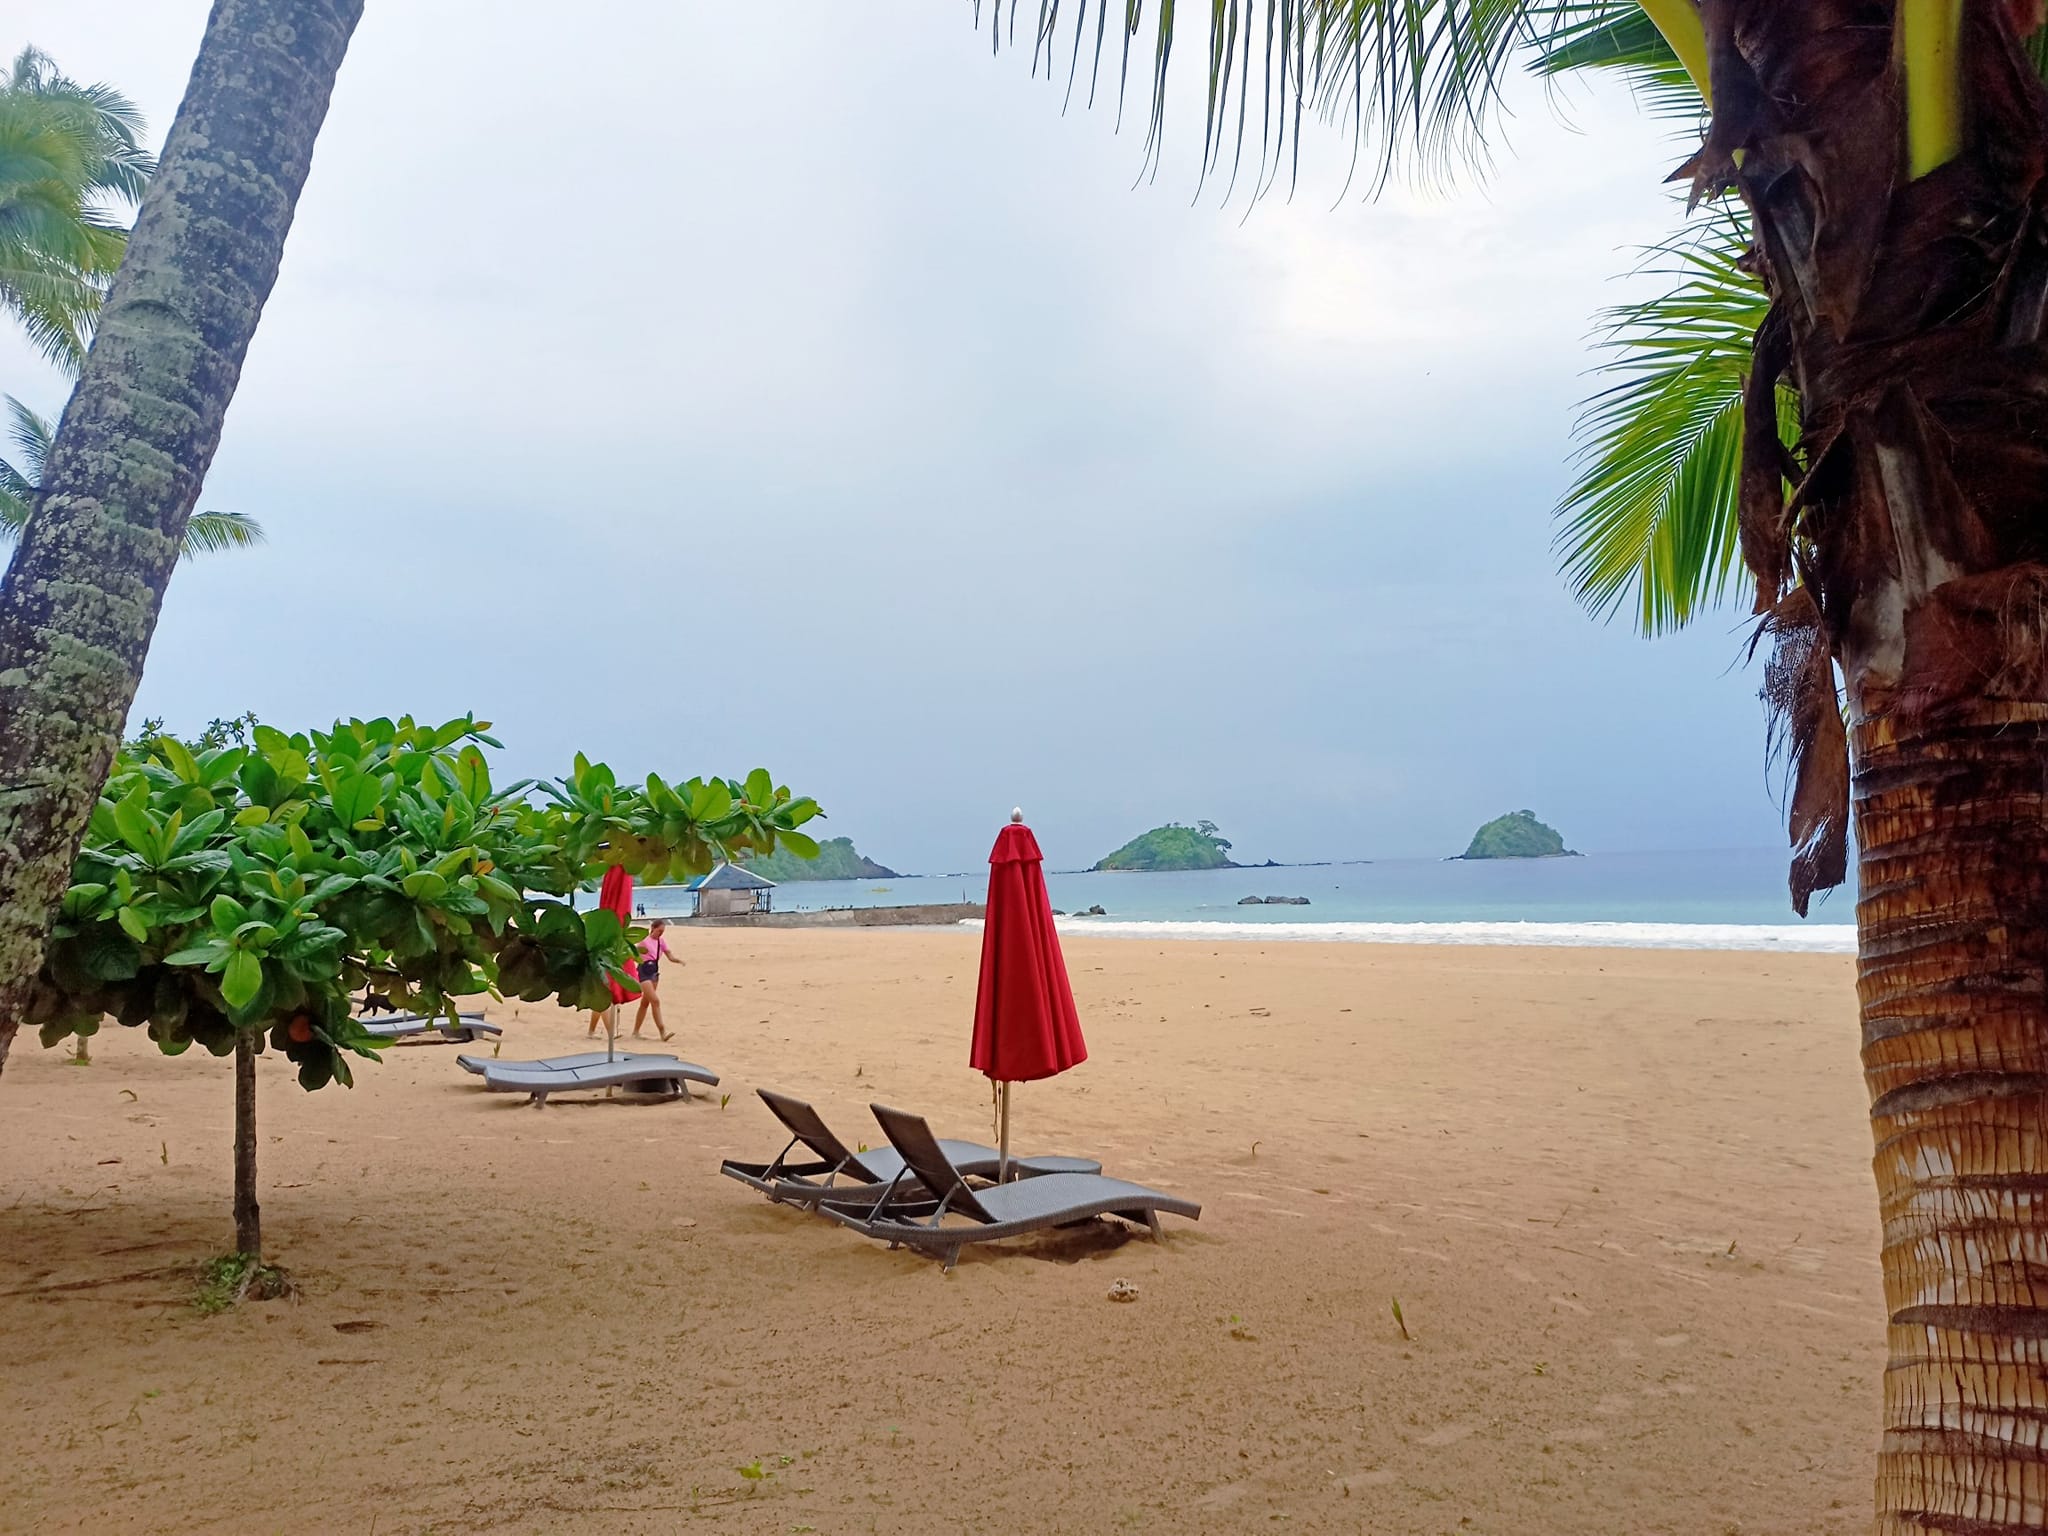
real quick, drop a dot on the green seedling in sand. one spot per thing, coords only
(1400, 1321)
(724, 1099)
(240, 894)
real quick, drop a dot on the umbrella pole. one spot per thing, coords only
(1003, 1139)
(611, 1033)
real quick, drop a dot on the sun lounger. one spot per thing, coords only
(1007, 1210)
(463, 1027)
(477, 1064)
(846, 1176)
(665, 1076)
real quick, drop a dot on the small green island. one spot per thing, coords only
(837, 860)
(1173, 847)
(1517, 835)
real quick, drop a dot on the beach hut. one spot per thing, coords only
(730, 891)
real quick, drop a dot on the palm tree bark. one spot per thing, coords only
(1912, 555)
(1953, 824)
(81, 598)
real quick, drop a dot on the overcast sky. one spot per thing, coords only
(705, 386)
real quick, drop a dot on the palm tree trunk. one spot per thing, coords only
(1909, 305)
(248, 1214)
(81, 598)
(1953, 825)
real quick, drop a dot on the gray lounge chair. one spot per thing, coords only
(667, 1077)
(1006, 1210)
(847, 1177)
(477, 1064)
(463, 1028)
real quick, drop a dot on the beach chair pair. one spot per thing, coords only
(462, 1029)
(660, 1074)
(915, 1193)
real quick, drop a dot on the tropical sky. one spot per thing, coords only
(703, 386)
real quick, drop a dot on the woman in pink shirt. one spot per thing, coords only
(653, 950)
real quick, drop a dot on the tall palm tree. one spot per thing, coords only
(1881, 441)
(31, 434)
(80, 598)
(71, 162)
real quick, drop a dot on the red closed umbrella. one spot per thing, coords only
(1025, 1026)
(615, 895)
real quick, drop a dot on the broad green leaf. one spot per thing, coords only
(242, 979)
(424, 886)
(179, 757)
(134, 823)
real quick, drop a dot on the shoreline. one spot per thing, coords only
(1787, 939)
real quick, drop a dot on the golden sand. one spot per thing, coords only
(1623, 1200)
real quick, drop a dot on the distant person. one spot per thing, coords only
(653, 950)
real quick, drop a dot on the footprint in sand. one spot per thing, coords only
(1578, 1307)
(1450, 1434)
(1673, 1340)
(1614, 1404)
(1521, 1276)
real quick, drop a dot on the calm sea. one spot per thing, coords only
(1725, 899)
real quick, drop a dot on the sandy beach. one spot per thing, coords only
(1623, 1199)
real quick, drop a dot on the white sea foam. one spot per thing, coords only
(1816, 938)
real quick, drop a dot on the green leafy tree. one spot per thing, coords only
(206, 533)
(71, 163)
(237, 897)
(1879, 166)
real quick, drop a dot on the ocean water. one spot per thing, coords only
(1721, 899)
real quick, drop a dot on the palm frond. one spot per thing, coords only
(1650, 522)
(70, 155)
(211, 533)
(31, 436)
(1627, 43)
(1413, 83)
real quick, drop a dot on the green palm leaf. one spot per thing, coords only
(210, 533)
(1650, 522)
(1414, 82)
(70, 156)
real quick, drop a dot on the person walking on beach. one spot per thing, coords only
(653, 950)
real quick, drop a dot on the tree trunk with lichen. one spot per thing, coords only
(248, 1214)
(81, 598)
(1912, 553)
